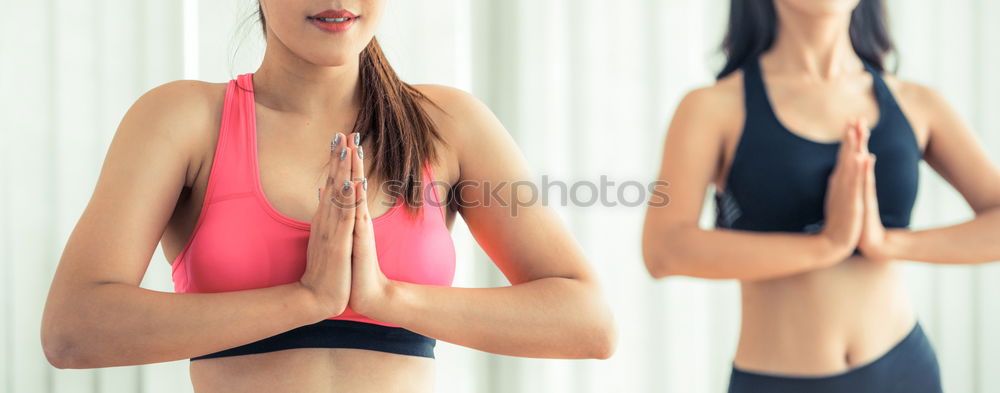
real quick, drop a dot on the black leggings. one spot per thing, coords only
(911, 367)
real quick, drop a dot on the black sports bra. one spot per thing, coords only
(777, 180)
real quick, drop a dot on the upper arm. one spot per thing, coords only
(144, 171)
(955, 153)
(497, 198)
(692, 155)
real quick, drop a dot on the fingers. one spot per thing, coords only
(328, 191)
(345, 196)
(849, 142)
(361, 217)
(854, 149)
(864, 133)
(867, 159)
(859, 154)
(358, 174)
(870, 195)
(357, 159)
(337, 193)
(336, 149)
(851, 165)
(860, 169)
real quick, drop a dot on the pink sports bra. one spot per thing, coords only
(240, 241)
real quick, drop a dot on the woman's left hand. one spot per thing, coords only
(369, 286)
(873, 234)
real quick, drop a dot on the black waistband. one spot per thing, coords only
(335, 333)
(910, 366)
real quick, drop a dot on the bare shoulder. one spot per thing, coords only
(462, 120)
(450, 106)
(187, 101)
(725, 91)
(725, 94)
(923, 105)
(912, 92)
(183, 115)
(922, 98)
(717, 107)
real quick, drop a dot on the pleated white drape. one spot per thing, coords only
(586, 87)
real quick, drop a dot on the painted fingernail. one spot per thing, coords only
(343, 153)
(336, 141)
(357, 138)
(347, 185)
(361, 152)
(364, 184)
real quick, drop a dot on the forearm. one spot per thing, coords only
(552, 317)
(742, 255)
(973, 241)
(117, 324)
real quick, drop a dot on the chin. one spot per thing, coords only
(819, 7)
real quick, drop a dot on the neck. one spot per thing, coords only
(287, 83)
(817, 45)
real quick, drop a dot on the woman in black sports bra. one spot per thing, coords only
(812, 205)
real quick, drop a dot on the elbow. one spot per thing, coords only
(605, 341)
(63, 344)
(599, 341)
(56, 342)
(661, 257)
(601, 333)
(56, 356)
(657, 265)
(670, 249)
(60, 350)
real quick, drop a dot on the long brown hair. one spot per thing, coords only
(402, 135)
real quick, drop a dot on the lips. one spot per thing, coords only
(333, 21)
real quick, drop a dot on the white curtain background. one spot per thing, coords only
(586, 87)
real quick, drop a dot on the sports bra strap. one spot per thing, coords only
(755, 95)
(882, 92)
(231, 171)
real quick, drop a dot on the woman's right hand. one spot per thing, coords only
(328, 262)
(844, 197)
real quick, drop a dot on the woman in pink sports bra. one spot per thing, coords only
(300, 267)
